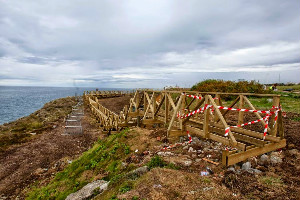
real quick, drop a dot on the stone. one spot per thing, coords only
(291, 146)
(294, 152)
(231, 169)
(275, 160)
(167, 153)
(277, 154)
(187, 163)
(191, 149)
(185, 147)
(138, 172)
(246, 166)
(264, 159)
(254, 171)
(89, 190)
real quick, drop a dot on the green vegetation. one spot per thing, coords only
(290, 102)
(212, 85)
(269, 180)
(289, 86)
(19, 131)
(104, 157)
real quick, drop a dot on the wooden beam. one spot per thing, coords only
(257, 114)
(175, 113)
(241, 114)
(233, 140)
(238, 157)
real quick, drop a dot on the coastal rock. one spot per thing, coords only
(88, 191)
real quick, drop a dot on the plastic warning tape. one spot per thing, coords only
(200, 110)
(195, 97)
(179, 144)
(247, 110)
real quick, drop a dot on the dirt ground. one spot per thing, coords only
(115, 104)
(40, 158)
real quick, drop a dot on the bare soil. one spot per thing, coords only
(40, 158)
(115, 104)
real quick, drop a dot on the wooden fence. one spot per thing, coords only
(172, 108)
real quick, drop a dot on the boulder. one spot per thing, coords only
(246, 166)
(275, 160)
(264, 159)
(88, 191)
(138, 172)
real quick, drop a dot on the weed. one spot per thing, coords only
(127, 186)
(269, 180)
(156, 161)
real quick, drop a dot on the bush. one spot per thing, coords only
(212, 85)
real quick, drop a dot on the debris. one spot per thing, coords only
(210, 161)
(209, 170)
(204, 173)
(208, 188)
(157, 186)
(136, 150)
(158, 138)
(167, 153)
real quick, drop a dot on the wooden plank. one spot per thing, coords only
(171, 101)
(239, 137)
(241, 114)
(212, 136)
(206, 119)
(166, 109)
(152, 121)
(175, 113)
(160, 104)
(238, 157)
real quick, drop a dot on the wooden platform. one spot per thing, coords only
(171, 108)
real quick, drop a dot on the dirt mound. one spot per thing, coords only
(115, 104)
(41, 157)
(161, 183)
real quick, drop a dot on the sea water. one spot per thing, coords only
(17, 102)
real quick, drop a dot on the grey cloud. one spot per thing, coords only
(93, 41)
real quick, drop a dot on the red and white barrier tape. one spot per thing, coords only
(179, 144)
(195, 97)
(227, 129)
(200, 110)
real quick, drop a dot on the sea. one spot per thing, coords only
(20, 101)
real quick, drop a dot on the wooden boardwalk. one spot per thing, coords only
(200, 113)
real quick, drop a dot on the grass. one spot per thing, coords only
(104, 157)
(295, 87)
(271, 181)
(19, 131)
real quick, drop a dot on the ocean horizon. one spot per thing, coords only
(20, 101)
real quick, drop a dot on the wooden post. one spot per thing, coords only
(206, 119)
(154, 105)
(276, 103)
(241, 114)
(182, 109)
(166, 108)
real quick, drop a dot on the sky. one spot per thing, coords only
(147, 44)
